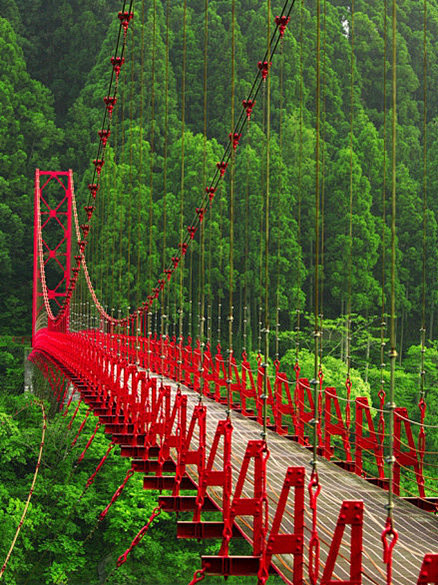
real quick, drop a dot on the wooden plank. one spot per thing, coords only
(418, 530)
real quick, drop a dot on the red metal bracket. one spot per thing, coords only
(429, 570)
(280, 408)
(288, 543)
(54, 218)
(255, 450)
(369, 443)
(405, 458)
(334, 428)
(215, 477)
(302, 389)
(351, 514)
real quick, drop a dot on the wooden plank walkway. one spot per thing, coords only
(418, 530)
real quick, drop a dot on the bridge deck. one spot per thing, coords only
(418, 530)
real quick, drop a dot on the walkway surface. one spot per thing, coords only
(418, 530)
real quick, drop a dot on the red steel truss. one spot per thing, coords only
(54, 218)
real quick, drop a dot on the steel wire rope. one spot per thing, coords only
(382, 392)
(201, 284)
(265, 363)
(163, 303)
(426, 452)
(166, 296)
(118, 128)
(242, 119)
(421, 402)
(209, 273)
(152, 144)
(100, 147)
(278, 210)
(32, 487)
(388, 411)
(389, 536)
(190, 296)
(350, 206)
(112, 239)
(323, 165)
(220, 294)
(31, 402)
(226, 156)
(413, 472)
(130, 146)
(182, 241)
(261, 236)
(246, 258)
(138, 320)
(101, 205)
(105, 113)
(314, 486)
(141, 163)
(393, 351)
(231, 212)
(152, 323)
(120, 192)
(94, 244)
(300, 184)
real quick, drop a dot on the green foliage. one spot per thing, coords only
(11, 364)
(28, 137)
(76, 69)
(66, 46)
(60, 541)
(335, 373)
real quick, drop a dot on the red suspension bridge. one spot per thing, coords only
(250, 441)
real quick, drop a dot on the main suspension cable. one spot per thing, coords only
(241, 122)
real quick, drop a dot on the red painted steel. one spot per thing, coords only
(334, 428)
(287, 543)
(351, 514)
(256, 506)
(403, 458)
(368, 443)
(150, 421)
(49, 215)
(429, 571)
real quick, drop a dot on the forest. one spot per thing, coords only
(51, 97)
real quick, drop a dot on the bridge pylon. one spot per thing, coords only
(53, 208)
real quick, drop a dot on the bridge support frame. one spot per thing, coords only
(47, 212)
